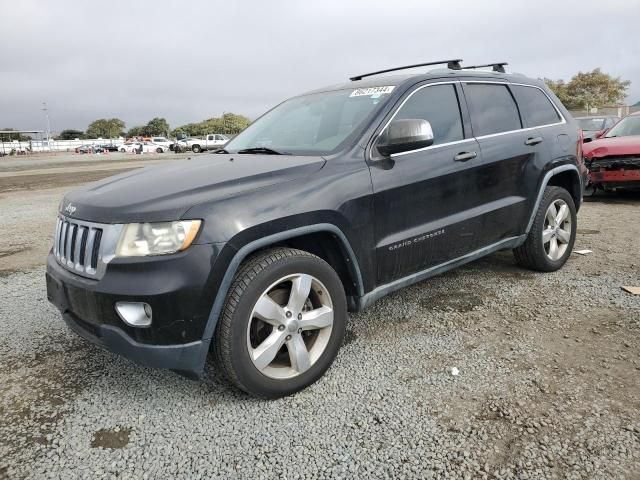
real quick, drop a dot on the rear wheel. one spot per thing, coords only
(122, 150)
(552, 235)
(283, 323)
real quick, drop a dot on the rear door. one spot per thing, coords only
(510, 155)
(425, 200)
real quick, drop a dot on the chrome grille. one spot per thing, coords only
(77, 246)
(84, 247)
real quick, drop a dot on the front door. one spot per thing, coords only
(427, 204)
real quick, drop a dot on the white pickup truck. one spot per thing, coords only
(213, 141)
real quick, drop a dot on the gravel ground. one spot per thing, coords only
(548, 383)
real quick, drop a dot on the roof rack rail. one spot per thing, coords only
(452, 64)
(496, 67)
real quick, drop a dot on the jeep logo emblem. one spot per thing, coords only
(70, 208)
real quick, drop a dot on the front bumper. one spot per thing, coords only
(178, 289)
(614, 171)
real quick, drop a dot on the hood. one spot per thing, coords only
(604, 147)
(166, 192)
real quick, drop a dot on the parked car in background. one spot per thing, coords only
(163, 141)
(85, 149)
(109, 147)
(213, 141)
(97, 148)
(147, 147)
(592, 127)
(613, 160)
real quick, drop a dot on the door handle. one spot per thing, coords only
(464, 156)
(533, 141)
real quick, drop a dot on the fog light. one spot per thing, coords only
(136, 314)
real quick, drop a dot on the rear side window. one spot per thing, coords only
(492, 108)
(535, 107)
(438, 104)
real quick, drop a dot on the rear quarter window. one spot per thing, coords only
(492, 108)
(535, 106)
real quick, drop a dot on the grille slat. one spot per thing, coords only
(89, 248)
(83, 244)
(77, 245)
(74, 236)
(55, 237)
(96, 249)
(67, 242)
(77, 236)
(63, 242)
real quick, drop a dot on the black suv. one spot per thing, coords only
(324, 204)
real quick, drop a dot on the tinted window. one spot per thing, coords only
(439, 106)
(492, 107)
(535, 107)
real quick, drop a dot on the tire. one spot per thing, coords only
(159, 150)
(536, 253)
(590, 190)
(196, 149)
(240, 334)
(122, 150)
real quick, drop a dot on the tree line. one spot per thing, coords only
(228, 123)
(587, 90)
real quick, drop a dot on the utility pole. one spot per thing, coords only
(46, 114)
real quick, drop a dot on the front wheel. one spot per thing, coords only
(196, 149)
(552, 235)
(159, 150)
(282, 324)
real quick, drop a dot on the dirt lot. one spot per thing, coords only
(549, 382)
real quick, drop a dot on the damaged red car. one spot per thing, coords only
(613, 159)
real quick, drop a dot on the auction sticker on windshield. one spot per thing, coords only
(370, 91)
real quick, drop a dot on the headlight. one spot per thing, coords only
(141, 239)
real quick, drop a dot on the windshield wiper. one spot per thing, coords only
(265, 150)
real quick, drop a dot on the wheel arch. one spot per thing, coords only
(317, 239)
(570, 181)
(565, 176)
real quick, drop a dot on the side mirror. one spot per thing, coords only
(404, 135)
(587, 140)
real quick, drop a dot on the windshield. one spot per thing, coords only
(315, 124)
(591, 124)
(626, 127)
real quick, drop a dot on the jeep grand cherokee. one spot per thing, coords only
(327, 202)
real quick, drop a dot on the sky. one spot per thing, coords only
(191, 60)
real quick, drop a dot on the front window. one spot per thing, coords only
(591, 124)
(314, 124)
(626, 127)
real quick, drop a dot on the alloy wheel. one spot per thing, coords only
(556, 234)
(290, 326)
